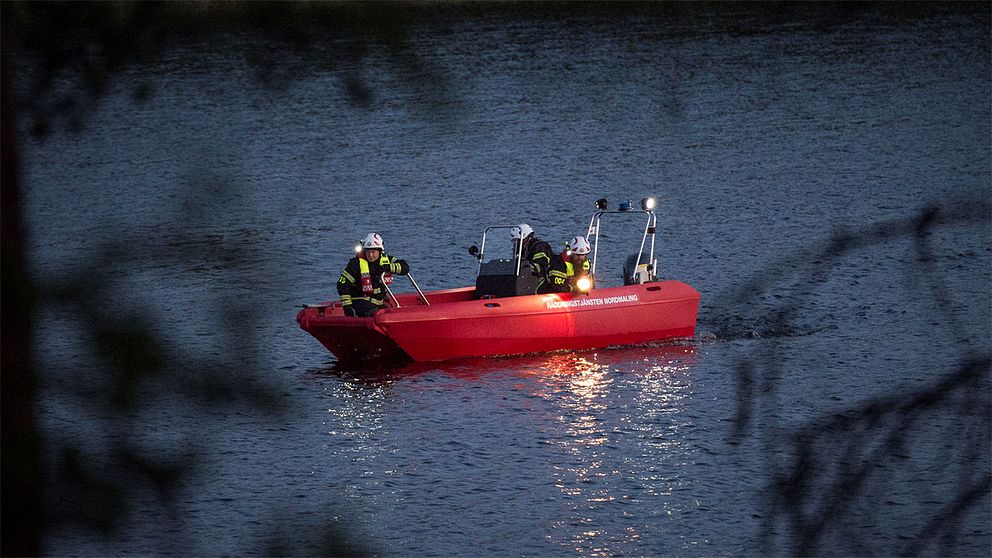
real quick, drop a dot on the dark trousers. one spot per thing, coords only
(364, 308)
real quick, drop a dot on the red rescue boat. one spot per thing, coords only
(499, 317)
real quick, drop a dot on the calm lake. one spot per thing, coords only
(207, 210)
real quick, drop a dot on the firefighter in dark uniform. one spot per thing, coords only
(535, 252)
(568, 269)
(361, 285)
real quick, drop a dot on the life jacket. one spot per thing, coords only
(570, 269)
(366, 277)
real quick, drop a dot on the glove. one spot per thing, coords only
(349, 311)
(534, 269)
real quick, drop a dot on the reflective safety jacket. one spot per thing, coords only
(562, 275)
(539, 253)
(361, 279)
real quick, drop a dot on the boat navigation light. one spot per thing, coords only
(583, 284)
(602, 204)
(647, 204)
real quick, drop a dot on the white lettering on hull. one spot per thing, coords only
(581, 302)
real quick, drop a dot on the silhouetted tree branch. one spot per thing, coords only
(21, 463)
(836, 460)
(65, 57)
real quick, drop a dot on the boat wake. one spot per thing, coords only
(737, 327)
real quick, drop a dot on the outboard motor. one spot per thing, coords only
(634, 274)
(498, 278)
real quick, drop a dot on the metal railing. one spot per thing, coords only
(396, 302)
(649, 230)
(481, 252)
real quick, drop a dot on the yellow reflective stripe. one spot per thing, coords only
(373, 300)
(346, 278)
(363, 266)
(556, 273)
(389, 264)
(345, 299)
(538, 255)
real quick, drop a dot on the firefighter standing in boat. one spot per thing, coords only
(569, 272)
(361, 284)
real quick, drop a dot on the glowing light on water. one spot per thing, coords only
(607, 407)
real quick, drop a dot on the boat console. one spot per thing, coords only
(501, 278)
(498, 278)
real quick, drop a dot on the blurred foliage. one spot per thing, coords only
(63, 57)
(59, 60)
(88, 43)
(835, 467)
(77, 48)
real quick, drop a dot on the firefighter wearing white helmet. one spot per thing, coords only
(531, 249)
(522, 230)
(361, 285)
(569, 271)
(372, 241)
(579, 245)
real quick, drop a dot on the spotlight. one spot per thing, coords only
(602, 204)
(583, 284)
(647, 204)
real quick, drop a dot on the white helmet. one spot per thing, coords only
(579, 245)
(373, 241)
(520, 231)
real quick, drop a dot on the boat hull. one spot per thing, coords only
(454, 325)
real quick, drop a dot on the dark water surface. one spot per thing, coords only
(223, 203)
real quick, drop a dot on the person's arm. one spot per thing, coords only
(397, 266)
(346, 284)
(557, 279)
(542, 257)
